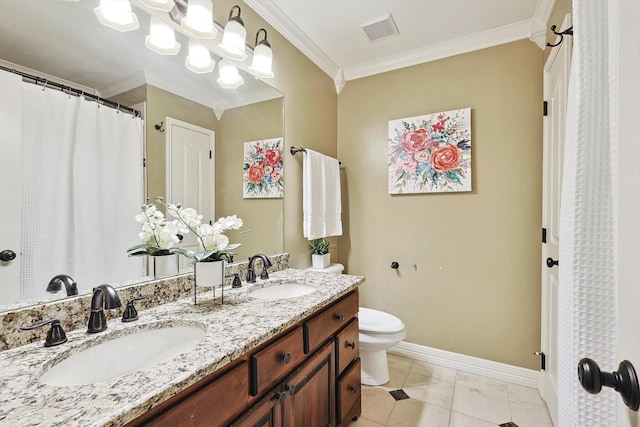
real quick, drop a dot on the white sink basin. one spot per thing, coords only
(282, 291)
(123, 354)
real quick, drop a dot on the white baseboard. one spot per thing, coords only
(473, 365)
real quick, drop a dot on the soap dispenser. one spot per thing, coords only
(130, 313)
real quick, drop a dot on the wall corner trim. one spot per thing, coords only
(474, 365)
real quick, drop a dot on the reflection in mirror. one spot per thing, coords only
(71, 47)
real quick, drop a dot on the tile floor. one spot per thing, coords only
(443, 397)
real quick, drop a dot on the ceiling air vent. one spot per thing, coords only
(380, 28)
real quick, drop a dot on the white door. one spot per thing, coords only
(628, 184)
(10, 189)
(556, 84)
(190, 171)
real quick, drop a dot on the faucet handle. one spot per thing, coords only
(130, 313)
(55, 336)
(237, 283)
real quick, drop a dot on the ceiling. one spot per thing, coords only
(64, 39)
(329, 32)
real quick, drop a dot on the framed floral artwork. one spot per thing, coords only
(263, 175)
(430, 153)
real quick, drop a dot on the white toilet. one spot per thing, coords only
(379, 331)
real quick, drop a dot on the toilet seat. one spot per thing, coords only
(378, 322)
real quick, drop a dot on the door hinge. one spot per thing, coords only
(545, 108)
(544, 235)
(543, 359)
(144, 163)
(210, 154)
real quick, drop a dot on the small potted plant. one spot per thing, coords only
(320, 257)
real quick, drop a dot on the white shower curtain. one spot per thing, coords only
(82, 186)
(587, 295)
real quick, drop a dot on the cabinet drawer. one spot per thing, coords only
(348, 390)
(347, 346)
(325, 324)
(210, 405)
(269, 364)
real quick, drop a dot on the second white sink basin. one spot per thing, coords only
(282, 291)
(123, 354)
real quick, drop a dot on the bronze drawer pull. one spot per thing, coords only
(353, 389)
(339, 317)
(350, 344)
(286, 358)
(280, 397)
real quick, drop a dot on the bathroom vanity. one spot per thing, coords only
(308, 375)
(287, 361)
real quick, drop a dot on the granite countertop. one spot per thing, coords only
(232, 329)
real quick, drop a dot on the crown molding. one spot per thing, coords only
(289, 30)
(506, 34)
(533, 29)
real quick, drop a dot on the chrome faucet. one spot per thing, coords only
(104, 297)
(56, 283)
(251, 274)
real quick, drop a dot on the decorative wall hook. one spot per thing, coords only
(159, 127)
(567, 32)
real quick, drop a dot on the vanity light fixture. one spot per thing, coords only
(199, 59)
(199, 19)
(229, 78)
(161, 38)
(117, 14)
(234, 37)
(161, 5)
(262, 57)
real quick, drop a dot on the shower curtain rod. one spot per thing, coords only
(79, 92)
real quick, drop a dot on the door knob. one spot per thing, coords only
(551, 262)
(7, 255)
(624, 381)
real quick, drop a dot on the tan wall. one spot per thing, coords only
(262, 217)
(476, 290)
(310, 118)
(160, 105)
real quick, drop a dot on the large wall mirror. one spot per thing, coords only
(63, 41)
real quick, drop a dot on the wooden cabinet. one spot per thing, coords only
(270, 364)
(207, 404)
(311, 399)
(309, 376)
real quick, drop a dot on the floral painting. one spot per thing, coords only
(430, 153)
(263, 176)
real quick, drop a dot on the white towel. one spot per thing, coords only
(321, 198)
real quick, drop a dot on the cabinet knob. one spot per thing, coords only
(280, 397)
(339, 317)
(291, 388)
(286, 358)
(353, 389)
(350, 344)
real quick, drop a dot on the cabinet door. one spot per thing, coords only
(210, 405)
(349, 394)
(347, 346)
(311, 399)
(266, 413)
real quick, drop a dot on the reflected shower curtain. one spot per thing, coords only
(82, 186)
(588, 288)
